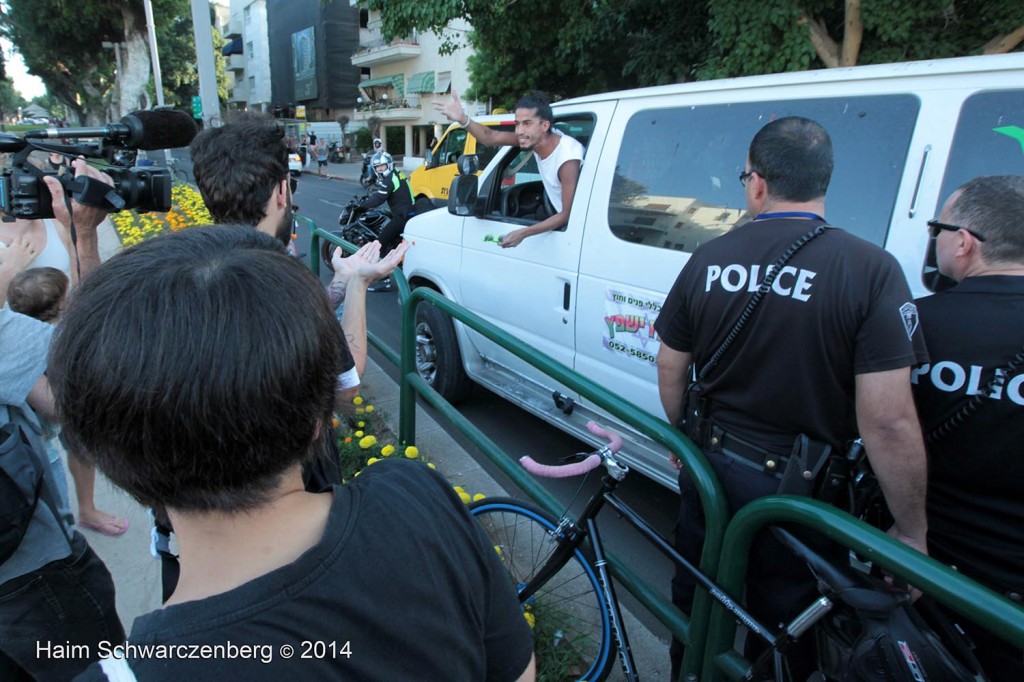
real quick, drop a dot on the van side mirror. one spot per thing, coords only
(468, 164)
(428, 158)
(462, 194)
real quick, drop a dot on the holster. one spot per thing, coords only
(814, 470)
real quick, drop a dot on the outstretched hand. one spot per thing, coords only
(366, 263)
(18, 254)
(453, 110)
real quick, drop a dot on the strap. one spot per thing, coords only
(44, 492)
(971, 406)
(758, 296)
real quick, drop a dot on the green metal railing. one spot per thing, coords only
(709, 631)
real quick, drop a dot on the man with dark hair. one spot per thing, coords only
(558, 156)
(266, 565)
(55, 592)
(242, 172)
(971, 398)
(825, 354)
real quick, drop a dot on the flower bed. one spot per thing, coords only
(187, 210)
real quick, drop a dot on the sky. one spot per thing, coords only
(29, 86)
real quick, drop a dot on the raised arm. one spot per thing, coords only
(87, 219)
(891, 433)
(486, 135)
(568, 175)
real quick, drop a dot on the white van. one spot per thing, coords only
(660, 177)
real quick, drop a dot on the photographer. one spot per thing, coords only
(53, 588)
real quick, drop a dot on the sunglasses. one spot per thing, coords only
(935, 226)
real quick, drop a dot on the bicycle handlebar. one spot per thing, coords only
(576, 468)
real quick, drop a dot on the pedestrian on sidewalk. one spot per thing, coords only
(321, 157)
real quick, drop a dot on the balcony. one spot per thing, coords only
(398, 111)
(387, 53)
(232, 29)
(240, 93)
(236, 62)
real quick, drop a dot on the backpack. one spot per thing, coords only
(19, 461)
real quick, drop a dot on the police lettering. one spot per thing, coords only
(951, 377)
(792, 282)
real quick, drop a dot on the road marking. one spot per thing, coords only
(332, 203)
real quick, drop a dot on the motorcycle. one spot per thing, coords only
(358, 225)
(334, 153)
(367, 177)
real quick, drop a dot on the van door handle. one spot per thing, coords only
(565, 297)
(917, 186)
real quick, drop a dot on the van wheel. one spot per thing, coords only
(438, 359)
(423, 204)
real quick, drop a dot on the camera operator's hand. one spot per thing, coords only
(87, 219)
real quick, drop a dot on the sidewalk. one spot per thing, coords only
(137, 574)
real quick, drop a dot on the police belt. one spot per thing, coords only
(745, 452)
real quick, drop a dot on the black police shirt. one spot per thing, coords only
(976, 470)
(840, 307)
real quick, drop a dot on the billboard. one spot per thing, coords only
(304, 64)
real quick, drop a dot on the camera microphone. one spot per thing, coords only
(151, 129)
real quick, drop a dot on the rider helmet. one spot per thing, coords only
(377, 144)
(382, 159)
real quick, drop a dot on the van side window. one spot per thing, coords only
(485, 153)
(451, 148)
(519, 194)
(676, 178)
(989, 140)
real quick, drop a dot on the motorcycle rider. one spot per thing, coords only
(366, 176)
(392, 187)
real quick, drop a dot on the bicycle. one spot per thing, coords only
(565, 587)
(180, 174)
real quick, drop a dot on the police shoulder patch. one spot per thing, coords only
(908, 313)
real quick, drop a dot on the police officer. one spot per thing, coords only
(826, 353)
(392, 187)
(971, 398)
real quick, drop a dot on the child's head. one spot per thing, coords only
(38, 293)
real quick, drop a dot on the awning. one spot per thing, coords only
(421, 82)
(234, 46)
(386, 81)
(444, 83)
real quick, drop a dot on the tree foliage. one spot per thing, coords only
(789, 35)
(577, 47)
(565, 49)
(63, 46)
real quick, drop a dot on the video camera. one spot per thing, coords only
(23, 194)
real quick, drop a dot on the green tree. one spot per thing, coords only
(63, 46)
(790, 35)
(578, 47)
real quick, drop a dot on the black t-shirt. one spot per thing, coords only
(976, 472)
(841, 307)
(404, 585)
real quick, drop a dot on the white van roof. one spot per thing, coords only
(933, 67)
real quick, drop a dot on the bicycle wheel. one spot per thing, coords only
(181, 175)
(572, 626)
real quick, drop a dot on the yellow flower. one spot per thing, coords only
(478, 497)
(360, 410)
(530, 618)
(387, 450)
(465, 498)
(358, 400)
(431, 465)
(335, 422)
(361, 424)
(359, 434)
(372, 460)
(367, 442)
(369, 408)
(459, 489)
(412, 452)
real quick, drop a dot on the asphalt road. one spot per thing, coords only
(513, 429)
